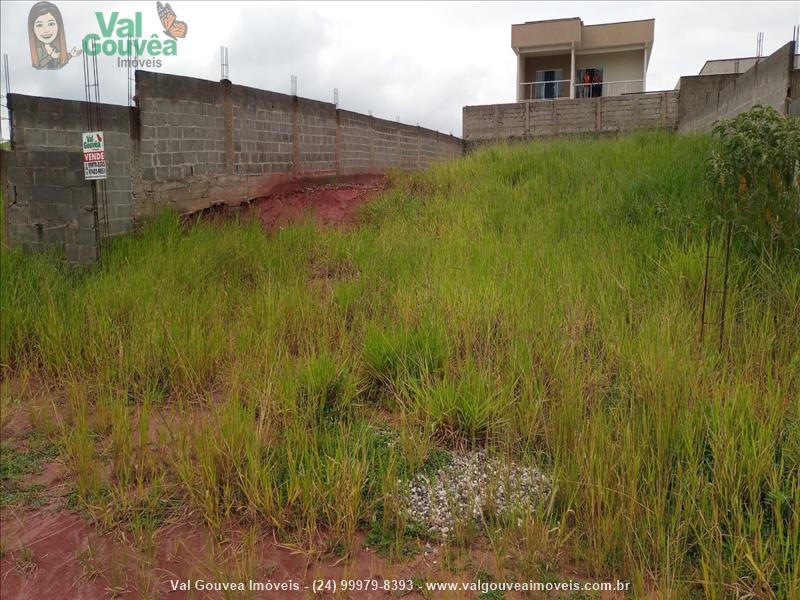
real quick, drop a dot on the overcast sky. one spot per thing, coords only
(421, 61)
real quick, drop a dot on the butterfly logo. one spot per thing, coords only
(172, 27)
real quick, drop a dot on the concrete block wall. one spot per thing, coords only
(355, 142)
(181, 132)
(573, 117)
(316, 128)
(428, 150)
(523, 120)
(657, 110)
(768, 83)
(187, 145)
(446, 146)
(385, 147)
(248, 140)
(47, 201)
(700, 102)
(409, 141)
(369, 144)
(699, 92)
(262, 131)
(191, 143)
(180, 146)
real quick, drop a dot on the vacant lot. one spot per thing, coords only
(540, 302)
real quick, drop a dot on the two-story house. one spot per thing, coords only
(563, 58)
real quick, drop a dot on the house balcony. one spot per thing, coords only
(555, 89)
(563, 58)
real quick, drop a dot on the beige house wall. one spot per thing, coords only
(564, 32)
(618, 34)
(617, 66)
(546, 33)
(540, 63)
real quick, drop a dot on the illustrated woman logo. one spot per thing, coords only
(46, 35)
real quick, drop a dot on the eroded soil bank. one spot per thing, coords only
(329, 202)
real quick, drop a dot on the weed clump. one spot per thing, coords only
(393, 358)
(324, 389)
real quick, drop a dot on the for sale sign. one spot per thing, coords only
(94, 155)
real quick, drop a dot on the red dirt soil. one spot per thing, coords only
(59, 555)
(330, 202)
(54, 554)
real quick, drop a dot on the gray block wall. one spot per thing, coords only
(262, 131)
(355, 142)
(180, 149)
(252, 141)
(47, 200)
(316, 130)
(699, 92)
(701, 101)
(768, 83)
(187, 145)
(524, 120)
(369, 144)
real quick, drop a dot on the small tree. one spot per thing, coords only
(755, 177)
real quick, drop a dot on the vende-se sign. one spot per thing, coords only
(94, 155)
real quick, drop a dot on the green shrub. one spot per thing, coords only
(755, 177)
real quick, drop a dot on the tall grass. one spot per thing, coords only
(541, 300)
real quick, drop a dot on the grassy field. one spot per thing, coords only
(541, 301)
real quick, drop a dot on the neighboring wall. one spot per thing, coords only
(47, 201)
(728, 65)
(523, 120)
(767, 83)
(794, 101)
(189, 144)
(698, 92)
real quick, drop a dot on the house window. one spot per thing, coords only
(590, 83)
(548, 83)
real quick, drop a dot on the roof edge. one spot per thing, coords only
(621, 22)
(549, 21)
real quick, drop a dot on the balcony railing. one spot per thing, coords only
(559, 88)
(545, 90)
(609, 88)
